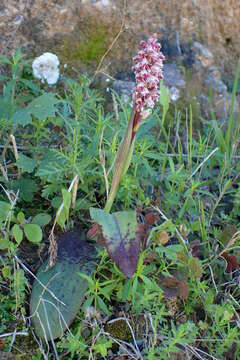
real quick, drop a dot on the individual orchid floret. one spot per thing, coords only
(45, 68)
(147, 67)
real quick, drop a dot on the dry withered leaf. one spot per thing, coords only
(182, 256)
(195, 267)
(161, 238)
(142, 232)
(182, 287)
(227, 234)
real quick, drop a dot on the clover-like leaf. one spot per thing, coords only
(120, 237)
(33, 233)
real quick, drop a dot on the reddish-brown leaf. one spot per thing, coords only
(183, 290)
(151, 218)
(195, 247)
(149, 258)
(232, 262)
(171, 281)
(142, 232)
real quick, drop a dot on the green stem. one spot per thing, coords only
(123, 160)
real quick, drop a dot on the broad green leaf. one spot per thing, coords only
(33, 233)
(17, 233)
(120, 237)
(42, 107)
(6, 272)
(4, 243)
(22, 117)
(26, 163)
(4, 210)
(41, 219)
(5, 107)
(27, 188)
(64, 285)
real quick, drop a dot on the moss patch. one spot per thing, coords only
(90, 40)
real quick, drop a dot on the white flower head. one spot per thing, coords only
(45, 68)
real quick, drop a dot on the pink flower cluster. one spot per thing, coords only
(147, 67)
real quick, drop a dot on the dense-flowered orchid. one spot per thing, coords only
(148, 65)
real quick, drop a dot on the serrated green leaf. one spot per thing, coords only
(26, 163)
(27, 188)
(120, 237)
(4, 60)
(42, 107)
(33, 233)
(17, 233)
(41, 219)
(22, 117)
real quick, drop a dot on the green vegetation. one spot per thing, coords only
(183, 183)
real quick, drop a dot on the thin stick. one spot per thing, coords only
(210, 268)
(15, 150)
(102, 162)
(16, 333)
(202, 163)
(44, 287)
(122, 28)
(74, 192)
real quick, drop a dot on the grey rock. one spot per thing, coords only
(214, 72)
(123, 87)
(202, 55)
(172, 76)
(217, 85)
(173, 93)
(221, 106)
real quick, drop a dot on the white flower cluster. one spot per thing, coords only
(45, 68)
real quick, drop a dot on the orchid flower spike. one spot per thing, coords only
(148, 65)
